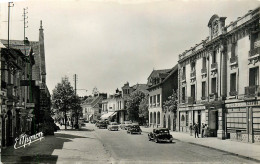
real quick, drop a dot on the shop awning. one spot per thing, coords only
(107, 115)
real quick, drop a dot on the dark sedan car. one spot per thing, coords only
(102, 125)
(160, 135)
(134, 129)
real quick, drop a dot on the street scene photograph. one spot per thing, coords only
(129, 81)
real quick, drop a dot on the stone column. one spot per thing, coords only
(221, 123)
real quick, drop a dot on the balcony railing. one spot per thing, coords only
(254, 52)
(233, 93)
(233, 59)
(214, 66)
(252, 91)
(213, 95)
(193, 74)
(203, 70)
(190, 100)
(183, 77)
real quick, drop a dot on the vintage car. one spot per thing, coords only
(102, 124)
(112, 126)
(160, 135)
(126, 125)
(134, 129)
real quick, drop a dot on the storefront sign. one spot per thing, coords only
(30, 105)
(243, 104)
(193, 108)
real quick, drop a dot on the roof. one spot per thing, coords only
(157, 72)
(173, 70)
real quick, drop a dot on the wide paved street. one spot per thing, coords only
(92, 145)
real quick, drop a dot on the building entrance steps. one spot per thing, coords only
(245, 150)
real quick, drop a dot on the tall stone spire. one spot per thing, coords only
(42, 54)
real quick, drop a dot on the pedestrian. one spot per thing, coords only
(206, 130)
(191, 127)
(203, 130)
(196, 129)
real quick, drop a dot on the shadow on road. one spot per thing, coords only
(39, 151)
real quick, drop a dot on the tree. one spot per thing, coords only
(76, 108)
(62, 97)
(172, 102)
(143, 109)
(132, 105)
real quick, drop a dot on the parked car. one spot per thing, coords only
(134, 129)
(97, 123)
(112, 126)
(102, 124)
(126, 125)
(160, 135)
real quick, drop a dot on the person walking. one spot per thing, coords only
(203, 130)
(206, 130)
(191, 127)
(196, 129)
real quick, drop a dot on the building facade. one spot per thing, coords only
(161, 85)
(218, 80)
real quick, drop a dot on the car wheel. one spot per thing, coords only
(170, 141)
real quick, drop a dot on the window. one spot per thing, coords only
(213, 85)
(183, 94)
(233, 50)
(193, 66)
(193, 94)
(151, 100)
(184, 71)
(204, 63)
(154, 99)
(158, 99)
(233, 82)
(203, 89)
(214, 57)
(253, 76)
(187, 118)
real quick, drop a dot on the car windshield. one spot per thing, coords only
(163, 131)
(135, 126)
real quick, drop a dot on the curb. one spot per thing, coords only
(239, 155)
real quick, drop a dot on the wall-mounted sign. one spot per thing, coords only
(30, 105)
(243, 104)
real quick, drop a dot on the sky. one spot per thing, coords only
(110, 42)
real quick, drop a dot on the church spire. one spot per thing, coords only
(42, 54)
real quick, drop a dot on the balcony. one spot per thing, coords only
(254, 52)
(204, 71)
(233, 93)
(213, 96)
(233, 60)
(252, 91)
(190, 100)
(183, 78)
(193, 74)
(214, 66)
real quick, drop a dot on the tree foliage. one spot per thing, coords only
(143, 108)
(133, 103)
(171, 103)
(62, 97)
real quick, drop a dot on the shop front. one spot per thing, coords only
(243, 120)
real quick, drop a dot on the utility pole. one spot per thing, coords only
(75, 83)
(25, 25)
(10, 4)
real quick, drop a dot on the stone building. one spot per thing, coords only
(161, 85)
(25, 99)
(219, 78)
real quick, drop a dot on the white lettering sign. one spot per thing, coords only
(24, 140)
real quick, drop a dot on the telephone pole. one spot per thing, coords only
(75, 82)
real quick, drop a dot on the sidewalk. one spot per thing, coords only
(245, 150)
